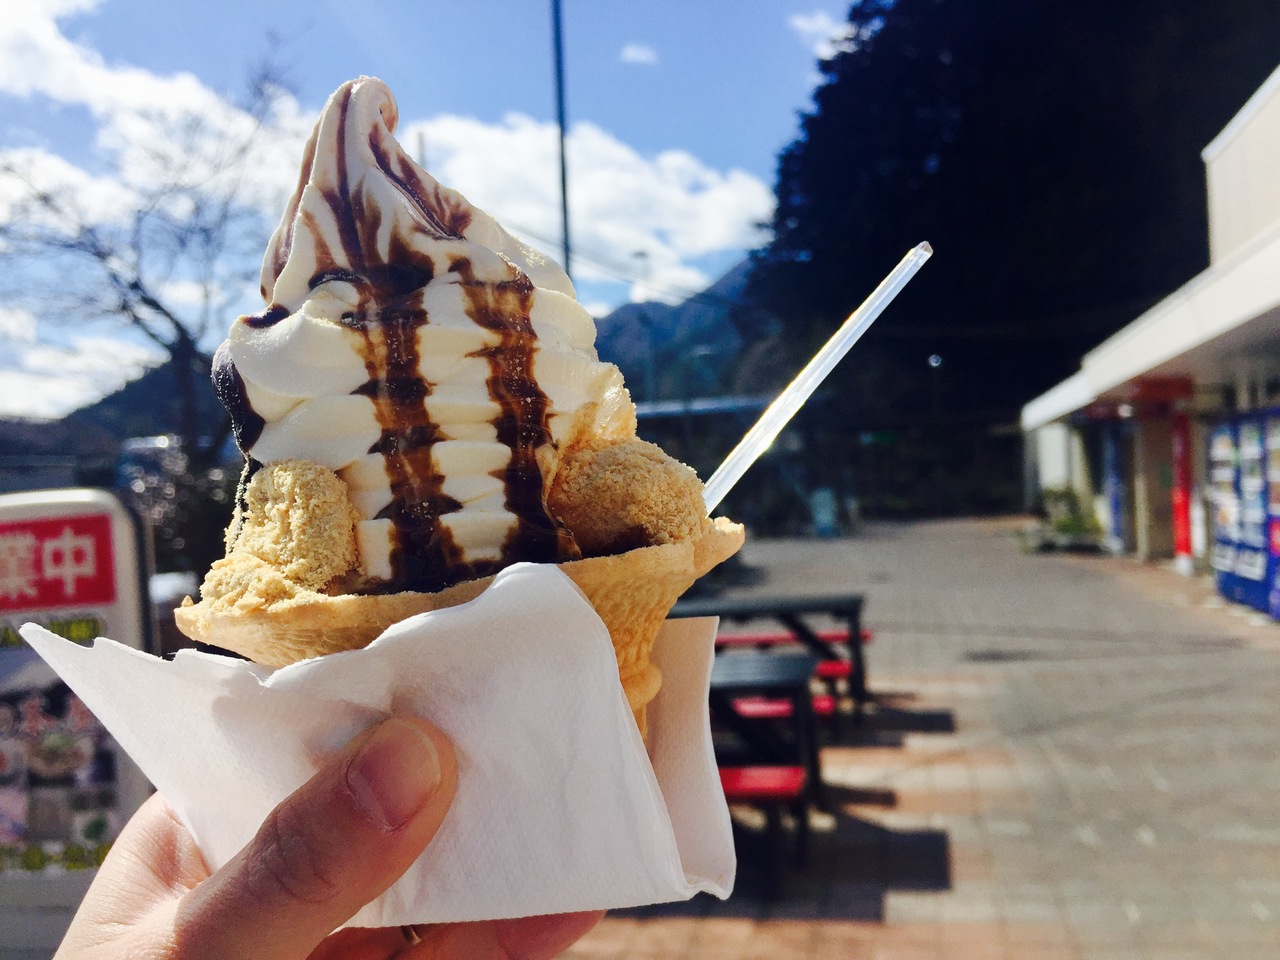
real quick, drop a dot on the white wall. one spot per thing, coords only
(1241, 173)
(1054, 449)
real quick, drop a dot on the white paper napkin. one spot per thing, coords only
(558, 809)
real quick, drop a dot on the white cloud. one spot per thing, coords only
(37, 397)
(670, 206)
(187, 293)
(89, 356)
(822, 33)
(17, 325)
(638, 53)
(154, 127)
(93, 199)
(45, 381)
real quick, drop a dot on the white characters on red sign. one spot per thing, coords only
(25, 559)
(18, 571)
(66, 557)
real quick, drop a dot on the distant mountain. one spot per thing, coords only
(684, 349)
(147, 407)
(83, 446)
(671, 352)
(35, 455)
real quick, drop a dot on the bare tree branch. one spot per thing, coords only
(171, 263)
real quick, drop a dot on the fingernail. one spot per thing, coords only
(394, 773)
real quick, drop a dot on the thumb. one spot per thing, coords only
(331, 847)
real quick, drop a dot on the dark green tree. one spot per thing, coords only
(1051, 154)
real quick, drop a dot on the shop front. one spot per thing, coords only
(1171, 427)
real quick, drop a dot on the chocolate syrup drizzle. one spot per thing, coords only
(246, 425)
(424, 556)
(522, 426)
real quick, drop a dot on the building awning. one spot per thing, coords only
(1225, 320)
(1067, 397)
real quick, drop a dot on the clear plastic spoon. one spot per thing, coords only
(780, 412)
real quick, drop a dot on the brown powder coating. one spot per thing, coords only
(619, 496)
(296, 533)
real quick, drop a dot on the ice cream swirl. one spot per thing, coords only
(412, 345)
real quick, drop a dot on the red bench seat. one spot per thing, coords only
(772, 789)
(834, 669)
(769, 639)
(756, 784)
(770, 708)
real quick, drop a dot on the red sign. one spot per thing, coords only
(56, 563)
(1161, 389)
(1181, 443)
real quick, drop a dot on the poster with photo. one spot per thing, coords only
(60, 801)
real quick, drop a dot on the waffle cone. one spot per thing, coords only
(632, 593)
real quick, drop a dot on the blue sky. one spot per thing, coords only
(676, 112)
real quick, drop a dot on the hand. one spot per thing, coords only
(337, 843)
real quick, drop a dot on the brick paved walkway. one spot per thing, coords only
(1072, 757)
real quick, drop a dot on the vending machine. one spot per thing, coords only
(1117, 469)
(1225, 506)
(1252, 553)
(1273, 512)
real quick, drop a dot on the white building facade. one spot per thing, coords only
(1146, 432)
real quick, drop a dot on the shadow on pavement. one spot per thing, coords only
(887, 725)
(853, 862)
(853, 865)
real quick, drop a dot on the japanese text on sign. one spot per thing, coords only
(53, 563)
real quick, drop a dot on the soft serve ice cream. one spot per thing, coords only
(418, 350)
(420, 404)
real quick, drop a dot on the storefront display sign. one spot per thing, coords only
(73, 561)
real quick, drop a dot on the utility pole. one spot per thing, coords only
(557, 36)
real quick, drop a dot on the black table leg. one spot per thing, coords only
(857, 658)
(807, 741)
(761, 737)
(755, 733)
(851, 652)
